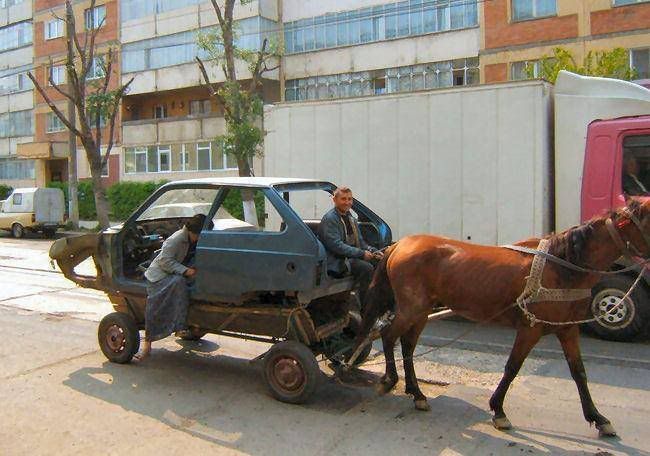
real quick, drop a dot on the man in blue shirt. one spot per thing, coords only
(347, 251)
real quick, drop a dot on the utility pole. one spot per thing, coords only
(73, 197)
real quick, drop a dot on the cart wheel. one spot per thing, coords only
(17, 230)
(192, 334)
(291, 372)
(119, 337)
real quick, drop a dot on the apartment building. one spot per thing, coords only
(16, 97)
(336, 49)
(169, 121)
(49, 149)
(517, 32)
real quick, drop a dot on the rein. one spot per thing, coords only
(535, 292)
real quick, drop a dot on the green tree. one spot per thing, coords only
(241, 99)
(88, 78)
(614, 63)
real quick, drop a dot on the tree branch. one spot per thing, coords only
(211, 88)
(120, 93)
(52, 106)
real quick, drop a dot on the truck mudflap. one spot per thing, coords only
(70, 252)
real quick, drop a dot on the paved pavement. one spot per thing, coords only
(60, 395)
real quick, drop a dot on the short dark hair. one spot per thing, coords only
(195, 224)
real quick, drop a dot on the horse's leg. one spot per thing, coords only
(409, 341)
(390, 378)
(524, 342)
(569, 338)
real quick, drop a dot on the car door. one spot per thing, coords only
(276, 252)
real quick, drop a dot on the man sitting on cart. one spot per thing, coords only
(347, 251)
(167, 284)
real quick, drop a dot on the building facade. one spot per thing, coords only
(517, 32)
(16, 95)
(50, 147)
(331, 49)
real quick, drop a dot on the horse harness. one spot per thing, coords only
(534, 291)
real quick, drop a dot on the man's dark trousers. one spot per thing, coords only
(362, 272)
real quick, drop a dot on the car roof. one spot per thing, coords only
(246, 181)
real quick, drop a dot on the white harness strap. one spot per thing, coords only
(534, 291)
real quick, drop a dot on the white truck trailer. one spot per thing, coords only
(490, 164)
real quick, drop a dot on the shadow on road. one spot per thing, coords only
(223, 400)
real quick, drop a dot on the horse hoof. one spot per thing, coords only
(383, 388)
(502, 423)
(606, 430)
(423, 405)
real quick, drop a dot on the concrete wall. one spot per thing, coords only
(148, 132)
(468, 163)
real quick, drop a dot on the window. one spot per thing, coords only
(95, 17)
(640, 61)
(57, 75)
(247, 210)
(635, 175)
(393, 20)
(16, 169)
(532, 9)
(15, 35)
(179, 48)
(202, 156)
(8, 3)
(96, 70)
(53, 29)
(181, 202)
(160, 112)
(198, 107)
(14, 80)
(92, 119)
(17, 123)
(164, 158)
(390, 80)
(627, 2)
(105, 169)
(519, 70)
(17, 199)
(54, 124)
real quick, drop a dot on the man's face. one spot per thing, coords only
(632, 166)
(193, 237)
(343, 202)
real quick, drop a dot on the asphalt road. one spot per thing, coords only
(60, 395)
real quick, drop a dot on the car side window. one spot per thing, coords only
(17, 199)
(246, 209)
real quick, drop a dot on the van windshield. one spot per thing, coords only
(635, 175)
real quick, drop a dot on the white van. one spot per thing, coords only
(32, 209)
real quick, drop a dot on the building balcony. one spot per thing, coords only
(171, 130)
(48, 150)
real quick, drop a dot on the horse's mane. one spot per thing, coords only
(570, 244)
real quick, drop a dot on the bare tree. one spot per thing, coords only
(241, 100)
(94, 103)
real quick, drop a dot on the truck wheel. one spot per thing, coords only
(620, 320)
(118, 337)
(17, 230)
(291, 372)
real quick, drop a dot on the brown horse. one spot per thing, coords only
(481, 283)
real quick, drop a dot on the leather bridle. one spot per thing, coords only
(628, 249)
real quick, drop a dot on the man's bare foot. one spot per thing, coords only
(144, 353)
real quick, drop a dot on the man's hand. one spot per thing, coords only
(378, 255)
(190, 272)
(367, 255)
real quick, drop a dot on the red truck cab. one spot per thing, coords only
(614, 148)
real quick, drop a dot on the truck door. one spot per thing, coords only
(240, 254)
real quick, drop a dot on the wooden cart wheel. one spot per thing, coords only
(118, 337)
(291, 372)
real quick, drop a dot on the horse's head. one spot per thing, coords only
(632, 223)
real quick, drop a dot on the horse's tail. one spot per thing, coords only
(379, 298)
